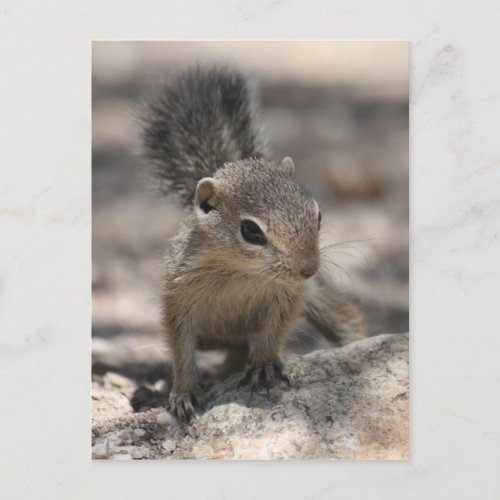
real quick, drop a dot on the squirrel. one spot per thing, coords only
(246, 261)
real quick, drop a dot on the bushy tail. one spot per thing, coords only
(206, 118)
(335, 318)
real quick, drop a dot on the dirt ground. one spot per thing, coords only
(350, 145)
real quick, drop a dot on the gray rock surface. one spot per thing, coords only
(349, 403)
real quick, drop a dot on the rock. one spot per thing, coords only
(125, 436)
(116, 380)
(169, 445)
(101, 449)
(108, 403)
(349, 403)
(160, 386)
(138, 434)
(165, 418)
(140, 452)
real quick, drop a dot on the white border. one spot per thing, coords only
(45, 248)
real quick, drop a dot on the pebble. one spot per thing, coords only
(160, 385)
(115, 379)
(165, 418)
(101, 449)
(168, 445)
(114, 449)
(140, 452)
(139, 433)
(125, 436)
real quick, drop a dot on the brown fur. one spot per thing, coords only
(221, 289)
(221, 292)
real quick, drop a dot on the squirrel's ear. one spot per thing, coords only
(205, 198)
(288, 166)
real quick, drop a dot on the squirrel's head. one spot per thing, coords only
(259, 220)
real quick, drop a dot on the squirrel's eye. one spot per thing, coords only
(252, 233)
(319, 220)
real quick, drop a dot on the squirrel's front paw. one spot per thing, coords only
(263, 376)
(184, 405)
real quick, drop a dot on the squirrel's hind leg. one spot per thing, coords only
(336, 319)
(235, 361)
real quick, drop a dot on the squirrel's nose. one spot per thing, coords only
(308, 266)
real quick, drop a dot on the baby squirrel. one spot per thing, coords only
(246, 262)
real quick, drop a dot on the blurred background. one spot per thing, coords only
(339, 109)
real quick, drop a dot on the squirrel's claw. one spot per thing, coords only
(185, 405)
(281, 376)
(245, 379)
(262, 376)
(256, 381)
(269, 376)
